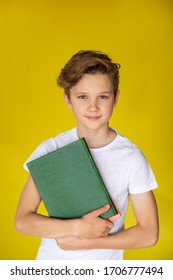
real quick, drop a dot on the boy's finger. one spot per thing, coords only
(101, 210)
(110, 225)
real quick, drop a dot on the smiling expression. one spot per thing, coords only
(92, 101)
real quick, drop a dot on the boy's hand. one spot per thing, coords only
(92, 226)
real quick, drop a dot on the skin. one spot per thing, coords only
(92, 102)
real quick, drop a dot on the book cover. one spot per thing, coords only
(70, 184)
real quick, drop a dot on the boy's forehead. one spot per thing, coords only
(88, 81)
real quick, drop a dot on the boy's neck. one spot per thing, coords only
(97, 138)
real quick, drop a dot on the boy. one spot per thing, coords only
(90, 82)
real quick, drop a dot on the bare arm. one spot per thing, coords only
(143, 234)
(28, 221)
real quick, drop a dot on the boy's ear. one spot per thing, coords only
(67, 100)
(116, 98)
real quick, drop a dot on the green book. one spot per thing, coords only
(70, 184)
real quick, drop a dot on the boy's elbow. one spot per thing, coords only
(19, 225)
(152, 241)
(150, 236)
(153, 237)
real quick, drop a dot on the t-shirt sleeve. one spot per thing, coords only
(43, 149)
(141, 178)
(38, 152)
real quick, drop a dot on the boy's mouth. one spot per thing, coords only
(93, 118)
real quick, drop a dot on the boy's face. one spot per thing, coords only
(92, 101)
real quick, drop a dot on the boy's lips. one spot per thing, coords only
(93, 118)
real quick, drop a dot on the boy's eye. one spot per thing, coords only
(103, 97)
(82, 96)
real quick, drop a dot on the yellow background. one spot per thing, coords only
(37, 38)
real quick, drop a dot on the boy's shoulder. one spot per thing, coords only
(59, 140)
(51, 144)
(127, 149)
(124, 142)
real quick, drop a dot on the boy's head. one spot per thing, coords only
(87, 62)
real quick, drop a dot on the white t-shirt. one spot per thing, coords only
(124, 170)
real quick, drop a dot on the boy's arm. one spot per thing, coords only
(28, 221)
(143, 234)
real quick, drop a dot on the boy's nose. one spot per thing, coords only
(93, 106)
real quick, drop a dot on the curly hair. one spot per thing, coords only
(87, 62)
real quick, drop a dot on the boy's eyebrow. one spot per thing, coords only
(102, 92)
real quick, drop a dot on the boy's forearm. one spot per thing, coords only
(89, 226)
(132, 238)
(45, 227)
